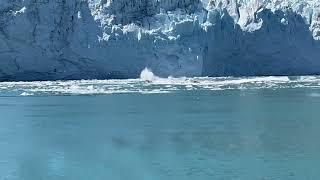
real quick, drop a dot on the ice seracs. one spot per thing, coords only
(102, 39)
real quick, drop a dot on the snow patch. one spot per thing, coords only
(21, 11)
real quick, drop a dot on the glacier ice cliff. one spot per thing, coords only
(100, 39)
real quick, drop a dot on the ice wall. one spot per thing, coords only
(85, 39)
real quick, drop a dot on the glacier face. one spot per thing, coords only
(98, 39)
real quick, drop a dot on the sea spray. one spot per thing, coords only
(147, 75)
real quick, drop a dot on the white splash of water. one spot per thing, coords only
(147, 75)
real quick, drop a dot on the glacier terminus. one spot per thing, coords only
(104, 39)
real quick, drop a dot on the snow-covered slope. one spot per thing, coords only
(84, 39)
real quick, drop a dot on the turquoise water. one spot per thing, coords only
(263, 128)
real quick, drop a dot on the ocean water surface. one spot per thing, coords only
(257, 128)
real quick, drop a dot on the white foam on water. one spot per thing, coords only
(149, 83)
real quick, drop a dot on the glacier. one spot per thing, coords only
(115, 39)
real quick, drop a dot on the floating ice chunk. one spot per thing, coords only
(26, 94)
